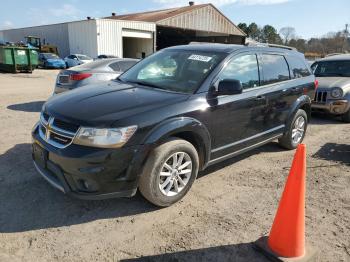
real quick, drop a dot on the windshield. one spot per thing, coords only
(50, 56)
(174, 70)
(332, 68)
(84, 57)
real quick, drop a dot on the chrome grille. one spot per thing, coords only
(56, 132)
(46, 117)
(321, 97)
(65, 126)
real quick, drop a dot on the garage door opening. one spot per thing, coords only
(137, 47)
(137, 44)
(171, 36)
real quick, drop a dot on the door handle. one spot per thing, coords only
(259, 97)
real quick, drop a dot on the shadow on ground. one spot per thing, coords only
(334, 152)
(239, 252)
(28, 202)
(27, 107)
(319, 118)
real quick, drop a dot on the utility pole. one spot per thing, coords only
(346, 36)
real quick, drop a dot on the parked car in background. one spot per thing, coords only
(333, 93)
(77, 59)
(106, 56)
(91, 73)
(155, 132)
(49, 60)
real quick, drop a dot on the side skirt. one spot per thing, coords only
(243, 150)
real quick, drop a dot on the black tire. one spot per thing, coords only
(346, 117)
(150, 179)
(286, 140)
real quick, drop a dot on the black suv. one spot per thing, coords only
(170, 116)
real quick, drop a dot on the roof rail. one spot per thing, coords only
(271, 45)
(333, 54)
(203, 43)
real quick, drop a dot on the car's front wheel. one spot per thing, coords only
(169, 172)
(296, 133)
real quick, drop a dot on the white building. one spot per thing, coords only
(92, 37)
(135, 35)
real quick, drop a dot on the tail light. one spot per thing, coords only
(79, 76)
(316, 83)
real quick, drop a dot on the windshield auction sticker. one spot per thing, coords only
(201, 58)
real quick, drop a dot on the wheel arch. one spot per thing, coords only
(186, 128)
(304, 103)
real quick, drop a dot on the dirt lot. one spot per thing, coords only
(230, 205)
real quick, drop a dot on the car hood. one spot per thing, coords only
(330, 82)
(103, 104)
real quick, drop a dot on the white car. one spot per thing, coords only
(77, 59)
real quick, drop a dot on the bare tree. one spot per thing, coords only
(287, 33)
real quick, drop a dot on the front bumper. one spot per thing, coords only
(89, 173)
(336, 107)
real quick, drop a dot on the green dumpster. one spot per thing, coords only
(15, 59)
(34, 57)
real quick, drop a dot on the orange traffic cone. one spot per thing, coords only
(287, 236)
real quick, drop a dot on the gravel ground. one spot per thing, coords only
(230, 205)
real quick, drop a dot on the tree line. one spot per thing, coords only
(332, 42)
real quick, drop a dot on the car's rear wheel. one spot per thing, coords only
(169, 172)
(346, 117)
(296, 133)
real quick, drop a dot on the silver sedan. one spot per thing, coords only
(91, 73)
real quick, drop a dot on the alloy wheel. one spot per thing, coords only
(175, 174)
(298, 130)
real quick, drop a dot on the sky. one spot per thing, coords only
(310, 18)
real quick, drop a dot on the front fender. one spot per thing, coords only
(181, 125)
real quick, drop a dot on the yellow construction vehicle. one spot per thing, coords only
(44, 48)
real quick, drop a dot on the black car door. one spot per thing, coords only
(229, 116)
(277, 90)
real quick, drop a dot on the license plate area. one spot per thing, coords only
(63, 79)
(40, 155)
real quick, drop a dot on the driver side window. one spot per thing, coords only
(243, 68)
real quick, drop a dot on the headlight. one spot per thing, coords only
(104, 137)
(337, 92)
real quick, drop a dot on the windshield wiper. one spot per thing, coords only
(142, 83)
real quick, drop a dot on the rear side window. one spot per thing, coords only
(245, 69)
(298, 67)
(126, 65)
(115, 66)
(275, 69)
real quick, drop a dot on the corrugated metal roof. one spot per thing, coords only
(157, 15)
(203, 17)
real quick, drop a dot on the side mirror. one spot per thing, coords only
(229, 87)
